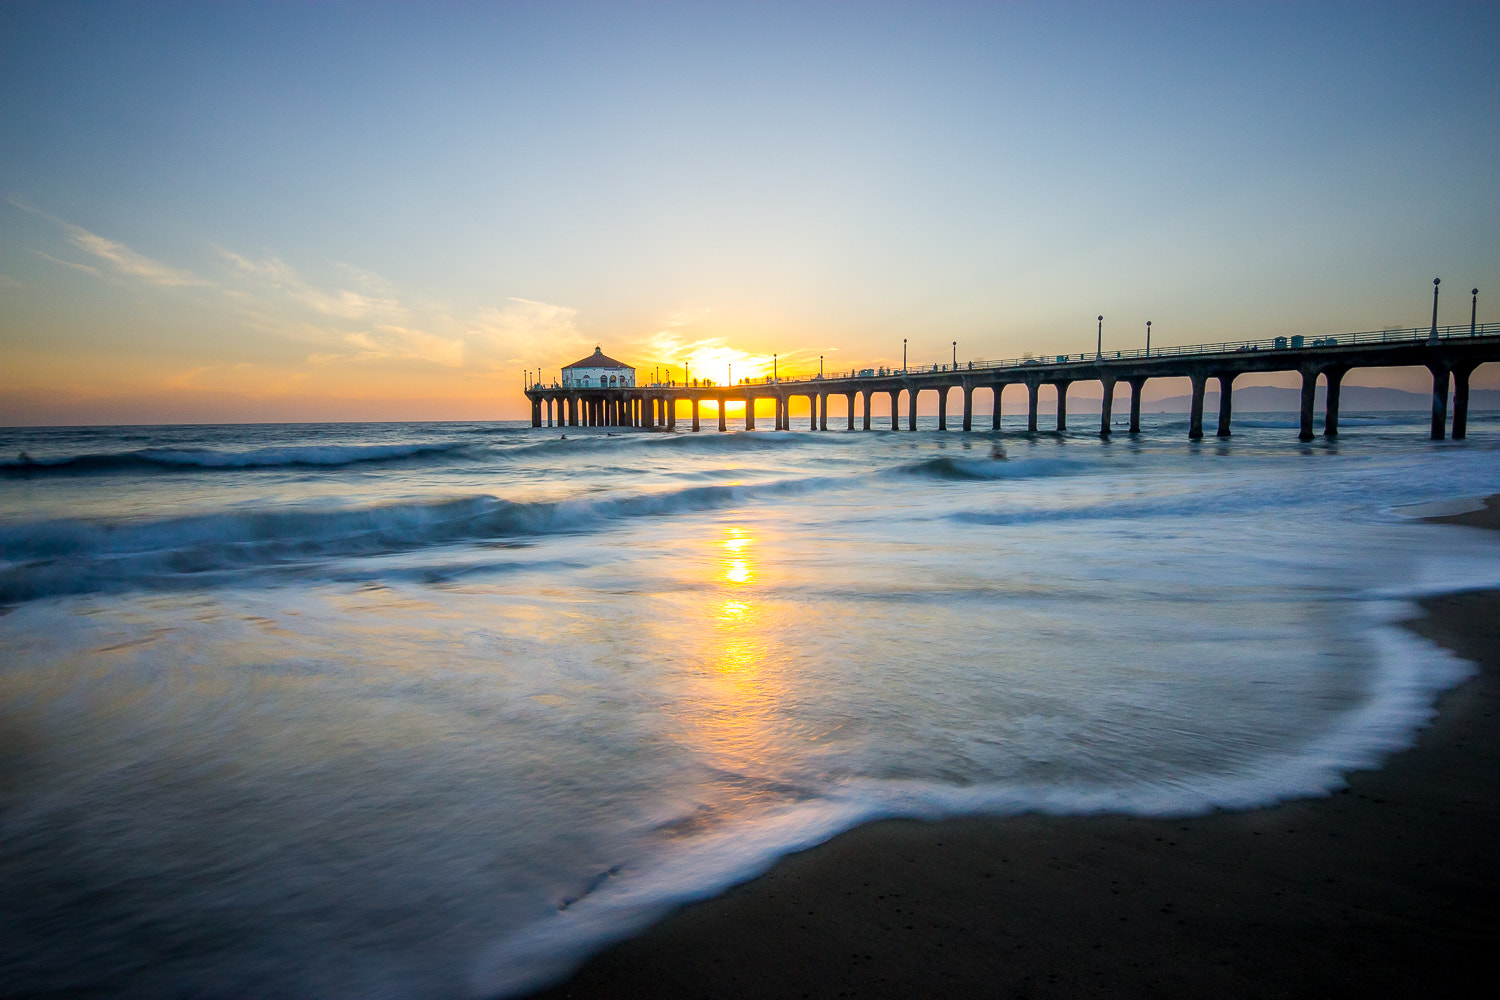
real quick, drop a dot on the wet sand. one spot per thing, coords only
(1489, 517)
(1388, 888)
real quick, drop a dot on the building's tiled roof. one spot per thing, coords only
(598, 360)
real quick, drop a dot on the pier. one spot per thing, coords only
(1450, 353)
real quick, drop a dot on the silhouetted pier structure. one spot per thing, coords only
(1451, 353)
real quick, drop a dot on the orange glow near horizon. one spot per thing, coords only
(712, 406)
(721, 365)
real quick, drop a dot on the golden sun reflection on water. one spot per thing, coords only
(737, 567)
(741, 647)
(729, 707)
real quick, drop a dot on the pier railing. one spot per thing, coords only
(1292, 342)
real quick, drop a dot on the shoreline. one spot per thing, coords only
(1390, 887)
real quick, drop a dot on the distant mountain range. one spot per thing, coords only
(1271, 399)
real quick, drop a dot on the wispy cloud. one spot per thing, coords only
(358, 316)
(524, 329)
(120, 258)
(687, 316)
(368, 280)
(239, 378)
(384, 328)
(88, 268)
(127, 261)
(274, 273)
(397, 343)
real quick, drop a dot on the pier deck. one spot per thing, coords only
(1450, 353)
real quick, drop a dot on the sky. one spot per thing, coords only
(336, 211)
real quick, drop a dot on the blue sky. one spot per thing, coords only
(277, 211)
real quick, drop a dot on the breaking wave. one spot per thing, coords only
(71, 556)
(50, 558)
(187, 459)
(945, 468)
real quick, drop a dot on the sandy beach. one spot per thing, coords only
(1390, 887)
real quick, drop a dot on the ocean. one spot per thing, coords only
(437, 710)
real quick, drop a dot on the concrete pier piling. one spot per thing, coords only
(1195, 412)
(1334, 380)
(1226, 404)
(1461, 401)
(1309, 397)
(1106, 405)
(1440, 373)
(1136, 385)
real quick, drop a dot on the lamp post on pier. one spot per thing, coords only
(1099, 349)
(903, 355)
(775, 375)
(1148, 338)
(1432, 337)
(955, 355)
(1473, 310)
(820, 366)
